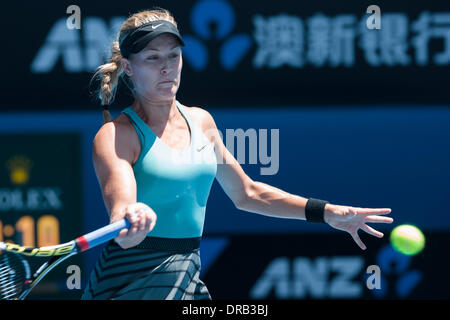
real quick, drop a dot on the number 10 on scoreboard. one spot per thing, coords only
(46, 228)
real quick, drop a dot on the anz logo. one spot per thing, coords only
(84, 49)
(80, 50)
(319, 278)
(397, 277)
(337, 277)
(233, 47)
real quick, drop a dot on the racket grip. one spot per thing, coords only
(101, 235)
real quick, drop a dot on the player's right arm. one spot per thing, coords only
(113, 155)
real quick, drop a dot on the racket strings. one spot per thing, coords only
(14, 271)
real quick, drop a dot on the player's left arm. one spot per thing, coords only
(258, 197)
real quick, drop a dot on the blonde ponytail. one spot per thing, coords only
(109, 74)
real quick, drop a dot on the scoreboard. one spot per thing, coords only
(40, 202)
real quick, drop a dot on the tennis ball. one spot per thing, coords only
(407, 239)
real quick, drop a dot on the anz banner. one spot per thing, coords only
(322, 266)
(240, 53)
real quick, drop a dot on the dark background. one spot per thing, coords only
(244, 84)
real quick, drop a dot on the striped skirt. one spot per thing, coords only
(146, 274)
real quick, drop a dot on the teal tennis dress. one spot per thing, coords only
(176, 184)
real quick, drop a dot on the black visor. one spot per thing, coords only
(136, 40)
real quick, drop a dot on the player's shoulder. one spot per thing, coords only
(117, 136)
(202, 117)
(118, 127)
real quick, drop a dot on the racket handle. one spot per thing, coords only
(101, 235)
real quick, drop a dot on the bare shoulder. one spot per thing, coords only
(205, 121)
(112, 131)
(202, 117)
(117, 138)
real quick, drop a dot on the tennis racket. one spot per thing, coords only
(16, 279)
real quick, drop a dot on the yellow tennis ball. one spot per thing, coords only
(407, 239)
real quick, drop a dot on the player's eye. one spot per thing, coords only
(152, 58)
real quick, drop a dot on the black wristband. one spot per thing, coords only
(314, 210)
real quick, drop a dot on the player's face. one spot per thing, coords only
(156, 70)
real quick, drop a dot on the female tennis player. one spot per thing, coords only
(137, 162)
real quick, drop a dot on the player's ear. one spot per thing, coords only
(126, 66)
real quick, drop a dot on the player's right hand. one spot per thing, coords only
(142, 219)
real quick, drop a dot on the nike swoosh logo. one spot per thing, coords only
(154, 27)
(201, 148)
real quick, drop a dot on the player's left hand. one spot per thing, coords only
(351, 219)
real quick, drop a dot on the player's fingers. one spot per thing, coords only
(379, 219)
(134, 224)
(148, 223)
(142, 223)
(369, 211)
(134, 227)
(358, 241)
(131, 216)
(122, 234)
(151, 218)
(141, 218)
(372, 231)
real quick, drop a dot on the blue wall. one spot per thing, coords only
(392, 157)
(395, 157)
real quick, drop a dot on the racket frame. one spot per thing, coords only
(59, 253)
